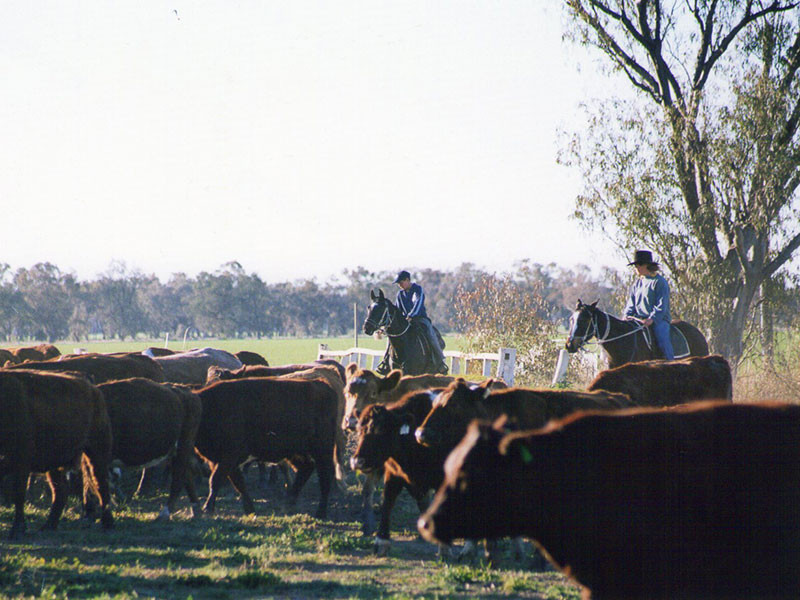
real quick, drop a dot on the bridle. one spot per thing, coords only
(385, 322)
(592, 329)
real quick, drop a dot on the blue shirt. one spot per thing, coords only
(649, 298)
(411, 302)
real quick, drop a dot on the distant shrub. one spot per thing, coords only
(503, 313)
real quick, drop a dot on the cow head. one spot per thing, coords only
(379, 435)
(582, 326)
(364, 387)
(452, 412)
(482, 481)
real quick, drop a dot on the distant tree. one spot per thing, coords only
(12, 303)
(703, 165)
(47, 309)
(117, 296)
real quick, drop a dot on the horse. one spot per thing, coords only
(629, 341)
(408, 346)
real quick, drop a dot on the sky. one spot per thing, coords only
(297, 138)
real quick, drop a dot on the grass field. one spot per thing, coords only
(274, 554)
(278, 351)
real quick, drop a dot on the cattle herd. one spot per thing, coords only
(650, 483)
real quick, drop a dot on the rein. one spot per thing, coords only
(604, 339)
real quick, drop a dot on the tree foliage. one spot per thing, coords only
(702, 164)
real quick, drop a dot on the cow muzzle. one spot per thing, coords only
(425, 436)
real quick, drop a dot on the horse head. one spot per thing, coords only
(378, 313)
(582, 325)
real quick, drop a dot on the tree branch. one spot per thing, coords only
(749, 17)
(782, 257)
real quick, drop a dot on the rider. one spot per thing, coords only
(411, 302)
(648, 301)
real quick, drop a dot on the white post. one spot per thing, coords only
(560, 375)
(506, 364)
(321, 351)
(166, 340)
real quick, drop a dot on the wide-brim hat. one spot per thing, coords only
(401, 276)
(642, 257)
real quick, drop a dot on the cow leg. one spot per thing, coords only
(237, 479)
(94, 468)
(305, 467)
(367, 512)
(58, 491)
(19, 482)
(391, 489)
(215, 480)
(325, 474)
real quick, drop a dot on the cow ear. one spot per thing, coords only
(486, 388)
(390, 381)
(351, 369)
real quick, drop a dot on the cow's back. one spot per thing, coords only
(99, 367)
(668, 383)
(532, 408)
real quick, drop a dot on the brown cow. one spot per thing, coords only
(270, 420)
(460, 403)
(697, 502)
(667, 383)
(7, 356)
(246, 357)
(38, 352)
(100, 368)
(151, 421)
(49, 422)
(222, 374)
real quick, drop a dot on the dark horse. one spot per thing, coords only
(409, 349)
(628, 341)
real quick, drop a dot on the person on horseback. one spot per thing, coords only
(411, 302)
(648, 301)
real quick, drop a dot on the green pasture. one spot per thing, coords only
(278, 351)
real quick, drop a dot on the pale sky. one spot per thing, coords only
(299, 138)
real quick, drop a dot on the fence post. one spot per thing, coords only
(506, 364)
(321, 350)
(560, 376)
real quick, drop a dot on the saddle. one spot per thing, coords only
(680, 345)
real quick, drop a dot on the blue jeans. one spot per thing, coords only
(661, 332)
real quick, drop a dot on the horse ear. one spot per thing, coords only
(579, 304)
(594, 304)
(372, 296)
(380, 294)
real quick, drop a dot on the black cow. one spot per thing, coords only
(697, 502)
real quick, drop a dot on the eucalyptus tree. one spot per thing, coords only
(701, 162)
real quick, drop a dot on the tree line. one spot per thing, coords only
(45, 303)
